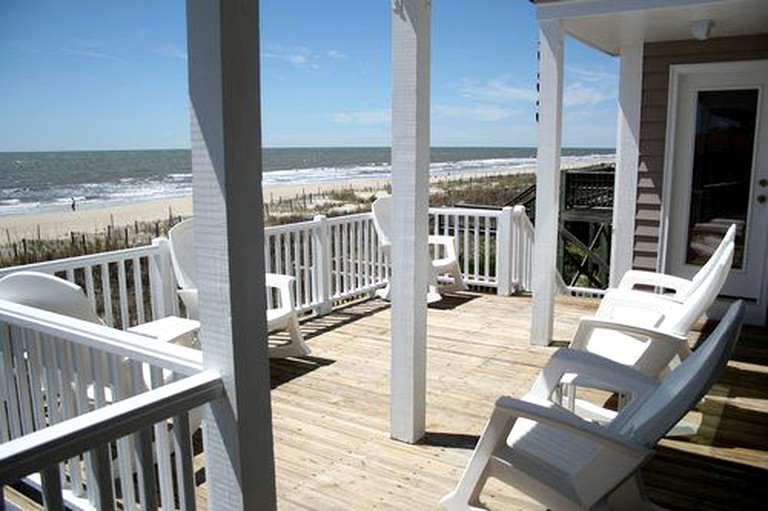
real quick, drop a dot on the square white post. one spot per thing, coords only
(223, 39)
(627, 159)
(410, 197)
(547, 179)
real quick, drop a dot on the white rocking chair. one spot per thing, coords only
(642, 330)
(565, 462)
(445, 272)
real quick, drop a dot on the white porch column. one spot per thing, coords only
(223, 39)
(627, 159)
(410, 192)
(547, 179)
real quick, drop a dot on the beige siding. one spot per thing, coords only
(653, 123)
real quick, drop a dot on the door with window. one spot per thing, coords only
(719, 169)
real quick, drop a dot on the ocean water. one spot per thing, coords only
(48, 181)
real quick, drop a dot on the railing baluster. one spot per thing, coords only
(268, 253)
(103, 494)
(162, 445)
(185, 476)
(487, 248)
(52, 497)
(287, 254)
(106, 294)
(23, 381)
(296, 258)
(309, 297)
(12, 408)
(344, 259)
(366, 253)
(125, 320)
(142, 441)
(69, 410)
(278, 253)
(142, 444)
(337, 258)
(138, 290)
(36, 378)
(89, 288)
(124, 447)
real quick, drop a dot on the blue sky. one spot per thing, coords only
(112, 75)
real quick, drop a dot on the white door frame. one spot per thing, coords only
(756, 309)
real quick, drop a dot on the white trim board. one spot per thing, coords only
(756, 309)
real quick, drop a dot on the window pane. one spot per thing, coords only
(722, 170)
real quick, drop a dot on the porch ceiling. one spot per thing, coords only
(607, 24)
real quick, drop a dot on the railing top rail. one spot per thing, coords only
(297, 226)
(348, 218)
(127, 344)
(490, 213)
(85, 260)
(38, 450)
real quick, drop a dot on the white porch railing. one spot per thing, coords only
(61, 375)
(332, 259)
(87, 405)
(115, 282)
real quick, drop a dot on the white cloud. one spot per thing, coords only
(336, 54)
(297, 56)
(170, 51)
(91, 54)
(498, 90)
(579, 94)
(592, 75)
(483, 113)
(363, 117)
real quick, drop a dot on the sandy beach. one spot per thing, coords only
(57, 224)
(91, 220)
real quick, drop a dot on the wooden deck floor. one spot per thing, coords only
(331, 413)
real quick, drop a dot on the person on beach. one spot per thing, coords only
(74, 204)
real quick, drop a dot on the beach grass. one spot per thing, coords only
(303, 204)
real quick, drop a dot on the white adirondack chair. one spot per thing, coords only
(641, 330)
(445, 272)
(53, 294)
(565, 462)
(281, 317)
(49, 293)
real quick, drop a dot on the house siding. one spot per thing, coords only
(653, 124)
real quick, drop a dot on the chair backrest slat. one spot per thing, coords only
(702, 296)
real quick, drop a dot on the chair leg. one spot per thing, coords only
(296, 347)
(458, 281)
(467, 493)
(297, 340)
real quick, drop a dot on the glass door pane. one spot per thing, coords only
(722, 171)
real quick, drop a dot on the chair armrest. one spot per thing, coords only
(588, 324)
(449, 242)
(637, 301)
(661, 280)
(283, 285)
(563, 420)
(570, 362)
